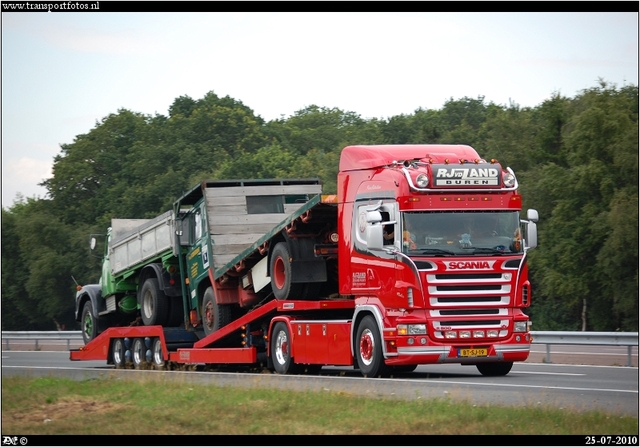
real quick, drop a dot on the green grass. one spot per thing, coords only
(50, 406)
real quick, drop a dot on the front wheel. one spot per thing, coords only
(494, 369)
(281, 350)
(369, 348)
(89, 323)
(214, 315)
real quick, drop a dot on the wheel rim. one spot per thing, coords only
(88, 325)
(117, 352)
(147, 304)
(137, 352)
(158, 358)
(278, 273)
(209, 315)
(282, 348)
(367, 345)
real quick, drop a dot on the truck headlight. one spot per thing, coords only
(520, 326)
(412, 329)
(422, 180)
(509, 179)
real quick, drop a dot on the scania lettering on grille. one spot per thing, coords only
(469, 265)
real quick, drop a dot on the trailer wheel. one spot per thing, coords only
(117, 353)
(281, 350)
(138, 351)
(280, 270)
(154, 304)
(89, 323)
(494, 369)
(214, 315)
(369, 348)
(158, 354)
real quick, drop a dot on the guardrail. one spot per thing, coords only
(628, 339)
(548, 338)
(37, 336)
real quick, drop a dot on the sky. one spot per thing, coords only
(62, 73)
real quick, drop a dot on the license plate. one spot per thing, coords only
(477, 352)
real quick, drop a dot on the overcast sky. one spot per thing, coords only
(63, 72)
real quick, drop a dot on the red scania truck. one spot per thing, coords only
(421, 258)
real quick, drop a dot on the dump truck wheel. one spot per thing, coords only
(494, 369)
(89, 323)
(280, 271)
(369, 349)
(281, 350)
(154, 304)
(214, 315)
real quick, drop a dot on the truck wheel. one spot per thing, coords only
(158, 354)
(369, 348)
(138, 351)
(214, 315)
(117, 353)
(89, 323)
(494, 369)
(280, 269)
(281, 350)
(154, 305)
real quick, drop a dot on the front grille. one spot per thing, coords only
(467, 276)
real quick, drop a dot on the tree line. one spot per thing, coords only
(576, 159)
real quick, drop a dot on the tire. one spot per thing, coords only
(157, 354)
(280, 271)
(154, 305)
(117, 353)
(214, 315)
(139, 353)
(368, 347)
(281, 350)
(494, 369)
(89, 323)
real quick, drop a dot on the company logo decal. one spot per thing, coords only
(469, 265)
(457, 176)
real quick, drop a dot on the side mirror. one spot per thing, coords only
(374, 237)
(532, 215)
(532, 235)
(93, 243)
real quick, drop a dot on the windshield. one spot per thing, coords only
(461, 233)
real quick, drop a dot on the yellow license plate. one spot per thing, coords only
(477, 352)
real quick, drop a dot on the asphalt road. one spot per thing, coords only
(610, 389)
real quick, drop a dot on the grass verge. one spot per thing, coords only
(52, 406)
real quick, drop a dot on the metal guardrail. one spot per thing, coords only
(628, 339)
(37, 336)
(548, 338)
